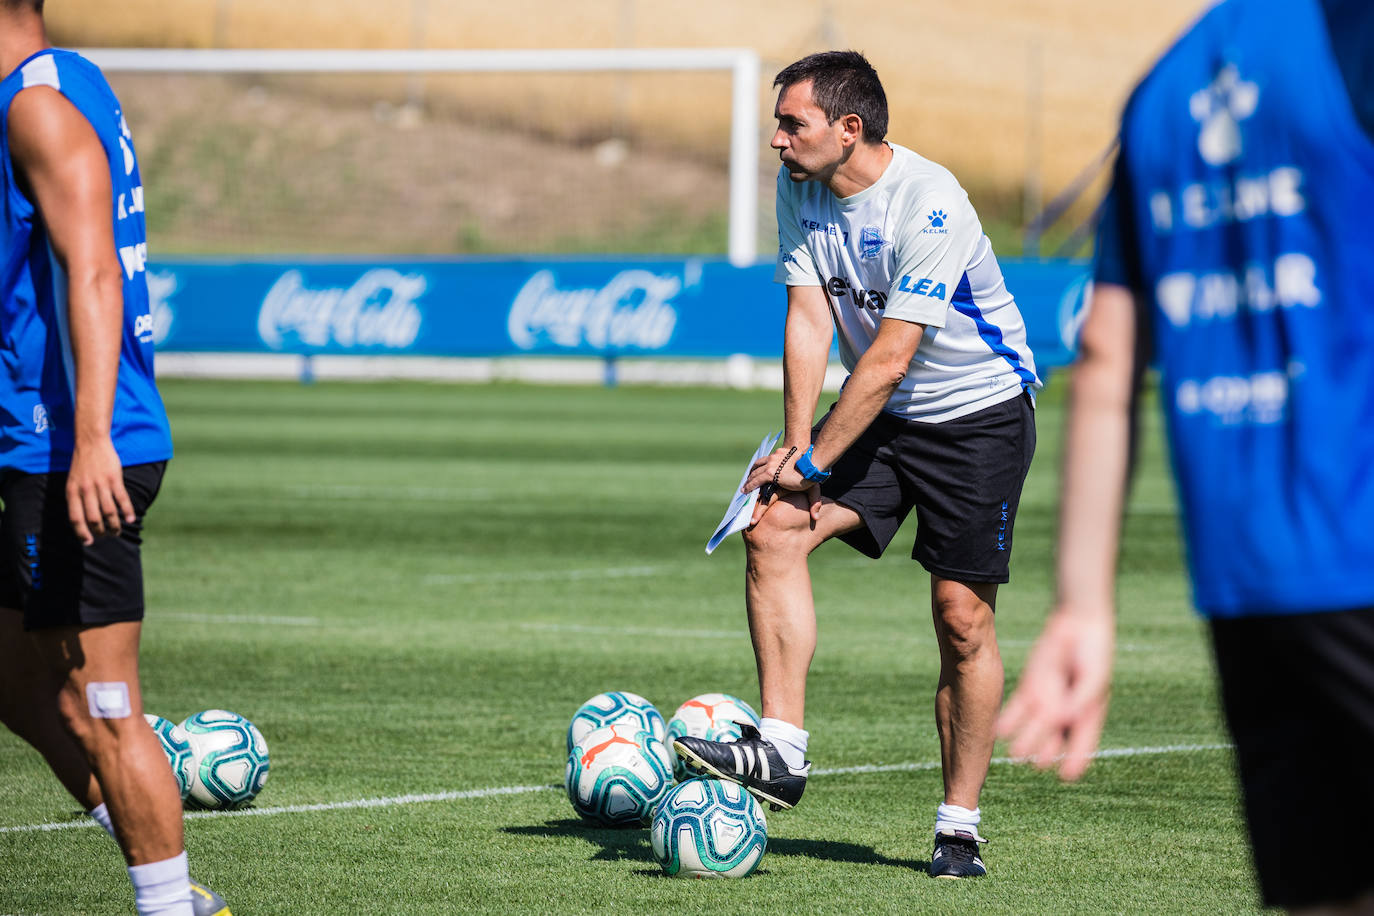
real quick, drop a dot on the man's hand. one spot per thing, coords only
(766, 473)
(1057, 711)
(96, 498)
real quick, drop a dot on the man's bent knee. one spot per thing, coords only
(785, 526)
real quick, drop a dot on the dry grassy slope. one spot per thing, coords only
(333, 178)
(959, 75)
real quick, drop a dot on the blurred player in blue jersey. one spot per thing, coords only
(83, 445)
(883, 247)
(1235, 253)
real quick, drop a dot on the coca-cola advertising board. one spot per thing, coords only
(696, 307)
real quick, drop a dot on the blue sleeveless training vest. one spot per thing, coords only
(36, 368)
(1246, 193)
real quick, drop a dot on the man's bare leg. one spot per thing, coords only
(771, 763)
(123, 752)
(970, 689)
(782, 613)
(28, 707)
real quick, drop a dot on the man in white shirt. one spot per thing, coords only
(881, 245)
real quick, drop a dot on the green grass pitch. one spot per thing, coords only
(409, 588)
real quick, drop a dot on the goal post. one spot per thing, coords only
(742, 64)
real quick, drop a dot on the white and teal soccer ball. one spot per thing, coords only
(617, 708)
(708, 828)
(617, 775)
(177, 746)
(713, 716)
(229, 759)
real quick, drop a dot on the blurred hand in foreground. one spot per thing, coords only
(1056, 713)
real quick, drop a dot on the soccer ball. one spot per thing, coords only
(713, 716)
(229, 759)
(617, 708)
(708, 828)
(177, 746)
(617, 775)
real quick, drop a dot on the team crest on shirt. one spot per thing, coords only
(40, 418)
(871, 242)
(937, 220)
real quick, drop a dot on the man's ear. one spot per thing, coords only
(851, 130)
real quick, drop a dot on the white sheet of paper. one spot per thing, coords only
(741, 507)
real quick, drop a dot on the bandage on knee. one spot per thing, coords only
(108, 700)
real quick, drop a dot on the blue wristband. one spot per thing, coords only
(807, 468)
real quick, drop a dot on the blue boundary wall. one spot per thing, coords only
(695, 308)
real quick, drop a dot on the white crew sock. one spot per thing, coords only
(162, 888)
(101, 815)
(788, 739)
(952, 817)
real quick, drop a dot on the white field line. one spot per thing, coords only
(635, 631)
(395, 801)
(546, 575)
(1120, 647)
(723, 634)
(346, 491)
(1107, 753)
(189, 617)
(626, 572)
(391, 802)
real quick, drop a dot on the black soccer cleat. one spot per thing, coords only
(205, 902)
(750, 761)
(956, 855)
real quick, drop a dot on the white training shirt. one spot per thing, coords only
(910, 246)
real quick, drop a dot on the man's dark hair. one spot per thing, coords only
(35, 5)
(842, 83)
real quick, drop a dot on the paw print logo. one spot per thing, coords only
(1219, 109)
(937, 218)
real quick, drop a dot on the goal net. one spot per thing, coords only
(447, 152)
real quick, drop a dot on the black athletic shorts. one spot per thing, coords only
(1299, 696)
(963, 477)
(47, 573)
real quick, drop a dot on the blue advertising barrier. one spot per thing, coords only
(685, 308)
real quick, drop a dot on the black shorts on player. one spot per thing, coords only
(963, 477)
(47, 573)
(1299, 696)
